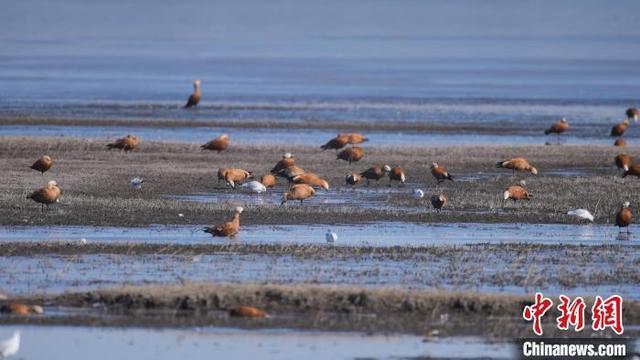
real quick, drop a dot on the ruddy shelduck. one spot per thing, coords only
(516, 193)
(620, 129)
(21, 309)
(229, 228)
(43, 164)
(286, 161)
(351, 154)
(620, 142)
(440, 173)
(236, 176)
(126, 143)
(219, 144)
(624, 217)
(46, 195)
(337, 143)
(355, 138)
(353, 179)
(247, 311)
(623, 161)
(558, 127)
(439, 201)
(517, 164)
(268, 180)
(633, 113)
(195, 97)
(311, 179)
(375, 172)
(397, 174)
(298, 192)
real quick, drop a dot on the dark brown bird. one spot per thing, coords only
(396, 174)
(351, 154)
(353, 179)
(311, 179)
(623, 161)
(620, 142)
(298, 192)
(440, 173)
(221, 143)
(194, 99)
(268, 180)
(634, 170)
(46, 195)
(517, 164)
(43, 164)
(286, 161)
(21, 309)
(620, 129)
(126, 143)
(517, 192)
(439, 201)
(337, 143)
(247, 311)
(355, 138)
(375, 172)
(236, 176)
(230, 228)
(633, 113)
(624, 217)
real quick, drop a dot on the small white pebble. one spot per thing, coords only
(181, 215)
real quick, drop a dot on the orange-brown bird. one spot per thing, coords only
(355, 138)
(439, 201)
(620, 129)
(440, 173)
(126, 143)
(623, 161)
(396, 174)
(311, 179)
(236, 176)
(624, 217)
(286, 161)
(517, 164)
(353, 179)
(337, 143)
(633, 113)
(620, 142)
(221, 143)
(298, 192)
(351, 154)
(43, 164)
(517, 192)
(634, 170)
(46, 195)
(268, 180)
(194, 99)
(558, 128)
(375, 172)
(21, 309)
(291, 172)
(247, 311)
(228, 229)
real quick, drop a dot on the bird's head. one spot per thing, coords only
(325, 185)
(506, 194)
(196, 83)
(563, 120)
(37, 309)
(224, 136)
(239, 209)
(46, 158)
(287, 155)
(386, 168)
(626, 204)
(52, 183)
(434, 165)
(534, 171)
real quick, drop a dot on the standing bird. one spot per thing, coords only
(126, 143)
(517, 164)
(620, 142)
(10, 347)
(194, 99)
(255, 186)
(247, 311)
(633, 113)
(221, 143)
(43, 164)
(517, 192)
(21, 309)
(311, 179)
(337, 143)
(351, 154)
(353, 179)
(46, 195)
(440, 173)
(298, 192)
(375, 172)
(235, 176)
(620, 129)
(624, 217)
(439, 201)
(633, 170)
(581, 214)
(286, 161)
(331, 236)
(228, 229)
(355, 138)
(623, 161)
(268, 180)
(396, 173)
(558, 128)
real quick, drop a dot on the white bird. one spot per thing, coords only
(581, 213)
(136, 183)
(418, 194)
(255, 186)
(10, 346)
(331, 236)
(83, 241)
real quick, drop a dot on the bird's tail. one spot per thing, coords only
(324, 147)
(625, 173)
(499, 164)
(449, 177)
(111, 146)
(365, 139)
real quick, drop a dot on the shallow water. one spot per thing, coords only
(374, 234)
(73, 342)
